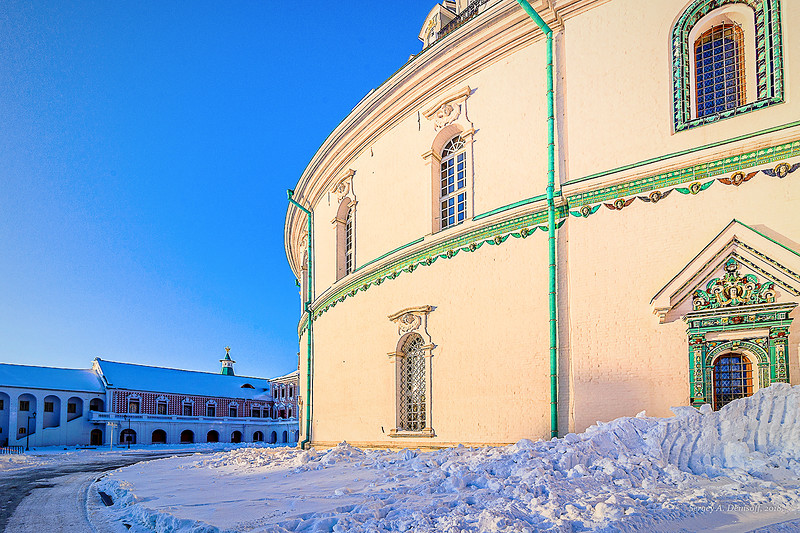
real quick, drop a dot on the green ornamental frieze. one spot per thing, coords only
(684, 181)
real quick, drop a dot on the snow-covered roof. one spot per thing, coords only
(287, 377)
(172, 380)
(49, 378)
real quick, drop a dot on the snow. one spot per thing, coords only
(737, 469)
(32, 377)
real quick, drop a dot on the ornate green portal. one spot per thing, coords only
(737, 314)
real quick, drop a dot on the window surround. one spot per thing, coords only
(448, 119)
(346, 200)
(187, 402)
(412, 322)
(757, 366)
(761, 22)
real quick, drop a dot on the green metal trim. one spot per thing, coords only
(682, 152)
(310, 317)
(687, 174)
(795, 252)
(510, 206)
(387, 254)
(493, 235)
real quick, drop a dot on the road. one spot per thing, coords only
(52, 498)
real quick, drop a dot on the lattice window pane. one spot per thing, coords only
(453, 181)
(720, 70)
(348, 243)
(412, 386)
(733, 379)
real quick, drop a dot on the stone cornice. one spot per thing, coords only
(501, 30)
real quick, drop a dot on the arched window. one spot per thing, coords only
(733, 378)
(453, 174)
(345, 238)
(348, 242)
(727, 60)
(719, 69)
(412, 385)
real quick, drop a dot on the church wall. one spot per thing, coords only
(490, 361)
(618, 46)
(392, 181)
(489, 326)
(624, 360)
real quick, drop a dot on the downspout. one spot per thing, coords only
(551, 215)
(309, 322)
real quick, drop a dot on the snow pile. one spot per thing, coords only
(624, 475)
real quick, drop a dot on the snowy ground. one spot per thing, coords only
(50, 455)
(734, 470)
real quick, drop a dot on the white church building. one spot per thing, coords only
(556, 212)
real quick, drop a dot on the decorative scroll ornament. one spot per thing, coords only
(733, 290)
(450, 109)
(343, 187)
(408, 322)
(412, 319)
(446, 115)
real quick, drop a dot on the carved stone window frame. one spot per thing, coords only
(412, 321)
(448, 119)
(342, 190)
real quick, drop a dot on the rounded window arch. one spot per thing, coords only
(726, 60)
(345, 238)
(453, 183)
(412, 408)
(451, 163)
(733, 377)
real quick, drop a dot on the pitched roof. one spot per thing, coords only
(172, 380)
(49, 378)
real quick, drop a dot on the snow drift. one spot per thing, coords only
(618, 476)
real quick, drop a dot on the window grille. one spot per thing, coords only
(161, 408)
(412, 385)
(721, 55)
(24, 405)
(348, 242)
(187, 409)
(454, 182)
(48, 407)
(719, 69)
(733, 379)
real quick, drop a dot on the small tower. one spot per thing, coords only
(227, 363)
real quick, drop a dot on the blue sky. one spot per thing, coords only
(145, 151)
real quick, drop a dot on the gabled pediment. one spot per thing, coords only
(740, 267)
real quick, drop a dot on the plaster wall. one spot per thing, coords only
(392, 181)
(617, 60)
(624, 361)
(489, 326)
(489, 364)
(66, 433)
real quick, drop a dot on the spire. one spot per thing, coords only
(227, 363)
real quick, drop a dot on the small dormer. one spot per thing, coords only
(438, 18)
(227, 363)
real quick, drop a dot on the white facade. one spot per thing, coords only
(43, 406)
(440, 332)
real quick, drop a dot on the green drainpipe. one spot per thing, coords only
(307, 309)
(551, 215)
